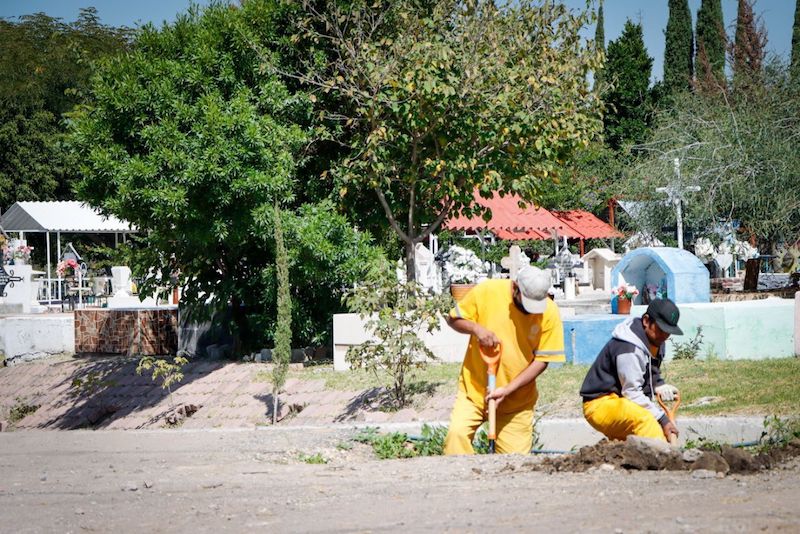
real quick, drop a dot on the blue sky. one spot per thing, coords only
(777, 15)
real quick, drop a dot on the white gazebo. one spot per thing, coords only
(57, 217)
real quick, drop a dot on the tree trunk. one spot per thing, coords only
(411, 271)
(275, 407)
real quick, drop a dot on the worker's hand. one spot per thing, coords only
(486, 337)
(667, 392)
(498, 395)
(669, 428)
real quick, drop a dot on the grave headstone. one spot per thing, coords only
(513, 262)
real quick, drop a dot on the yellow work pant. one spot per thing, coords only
(514, 430)
(618, 418)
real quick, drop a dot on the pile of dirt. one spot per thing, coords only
(646, 454)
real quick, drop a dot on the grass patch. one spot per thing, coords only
(744, 387)
(739, 387)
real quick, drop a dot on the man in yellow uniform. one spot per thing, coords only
(520, 318)
(620, 388)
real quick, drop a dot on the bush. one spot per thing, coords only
(688, 350)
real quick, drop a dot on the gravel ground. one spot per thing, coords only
(239, 480)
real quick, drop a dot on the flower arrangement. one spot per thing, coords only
(66, 267)
(17, 251)
(625, 291)
(462, 266)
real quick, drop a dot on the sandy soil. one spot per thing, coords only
(237, 481)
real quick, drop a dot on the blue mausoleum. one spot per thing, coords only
(668, 272)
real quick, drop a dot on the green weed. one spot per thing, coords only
(21, 410)
(316, 458)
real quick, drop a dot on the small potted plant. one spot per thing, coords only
(625, 294)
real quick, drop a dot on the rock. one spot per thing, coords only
(130, 486)
(691, 455)
(651, 445)
(739, 460)
(710, 461)
(218, 352)
(648, 453)
(704, 473)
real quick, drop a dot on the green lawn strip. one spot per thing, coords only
(741, 387)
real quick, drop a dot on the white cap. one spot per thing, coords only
(533, 284)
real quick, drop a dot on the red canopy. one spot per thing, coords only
(511, 222)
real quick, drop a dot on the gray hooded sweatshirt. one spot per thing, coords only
(625, 367)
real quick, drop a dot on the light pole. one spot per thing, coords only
(675, 193)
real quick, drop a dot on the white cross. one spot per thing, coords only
(512, 262)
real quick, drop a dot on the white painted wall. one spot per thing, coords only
(30, 337)
(348, 330)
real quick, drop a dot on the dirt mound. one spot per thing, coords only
(647, 454)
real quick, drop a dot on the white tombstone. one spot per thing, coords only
(121, 281)
(23, 293)
(600, 262)
(514, 262)
(426, 269)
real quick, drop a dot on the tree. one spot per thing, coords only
(749, 47)
(282, 354)
(711, 45)
(627, 69)
(45, 67)
(600, 43)
(193, 138)
(442, 98)
(739, 148)
(395, 314)
(796, 43)
(31, 159)
(679, 48)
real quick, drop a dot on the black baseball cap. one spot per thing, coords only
(666, 314)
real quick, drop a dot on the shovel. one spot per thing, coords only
(491, 355)
(673, 438)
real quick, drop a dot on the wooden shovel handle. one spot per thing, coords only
(673, 438)
(670, 412)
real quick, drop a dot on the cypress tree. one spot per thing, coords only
(627, 69)
(282, 353)
(749, 46)
(600, 32)
(795, 43)
(679, 49)
(600, 41)
(711, 44)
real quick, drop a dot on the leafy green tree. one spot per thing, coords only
(45, 67)
(796, 42)
(282, 353)
(193, 138)
(442, 98)
(627, 69)
(740, 150)
(679, 48)
(31, 159)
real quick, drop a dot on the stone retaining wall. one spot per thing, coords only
(127, 331)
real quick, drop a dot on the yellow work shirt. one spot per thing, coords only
(522, 337)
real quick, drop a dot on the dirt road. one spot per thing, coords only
(241, 481)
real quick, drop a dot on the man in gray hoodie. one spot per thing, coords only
(618, 391)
